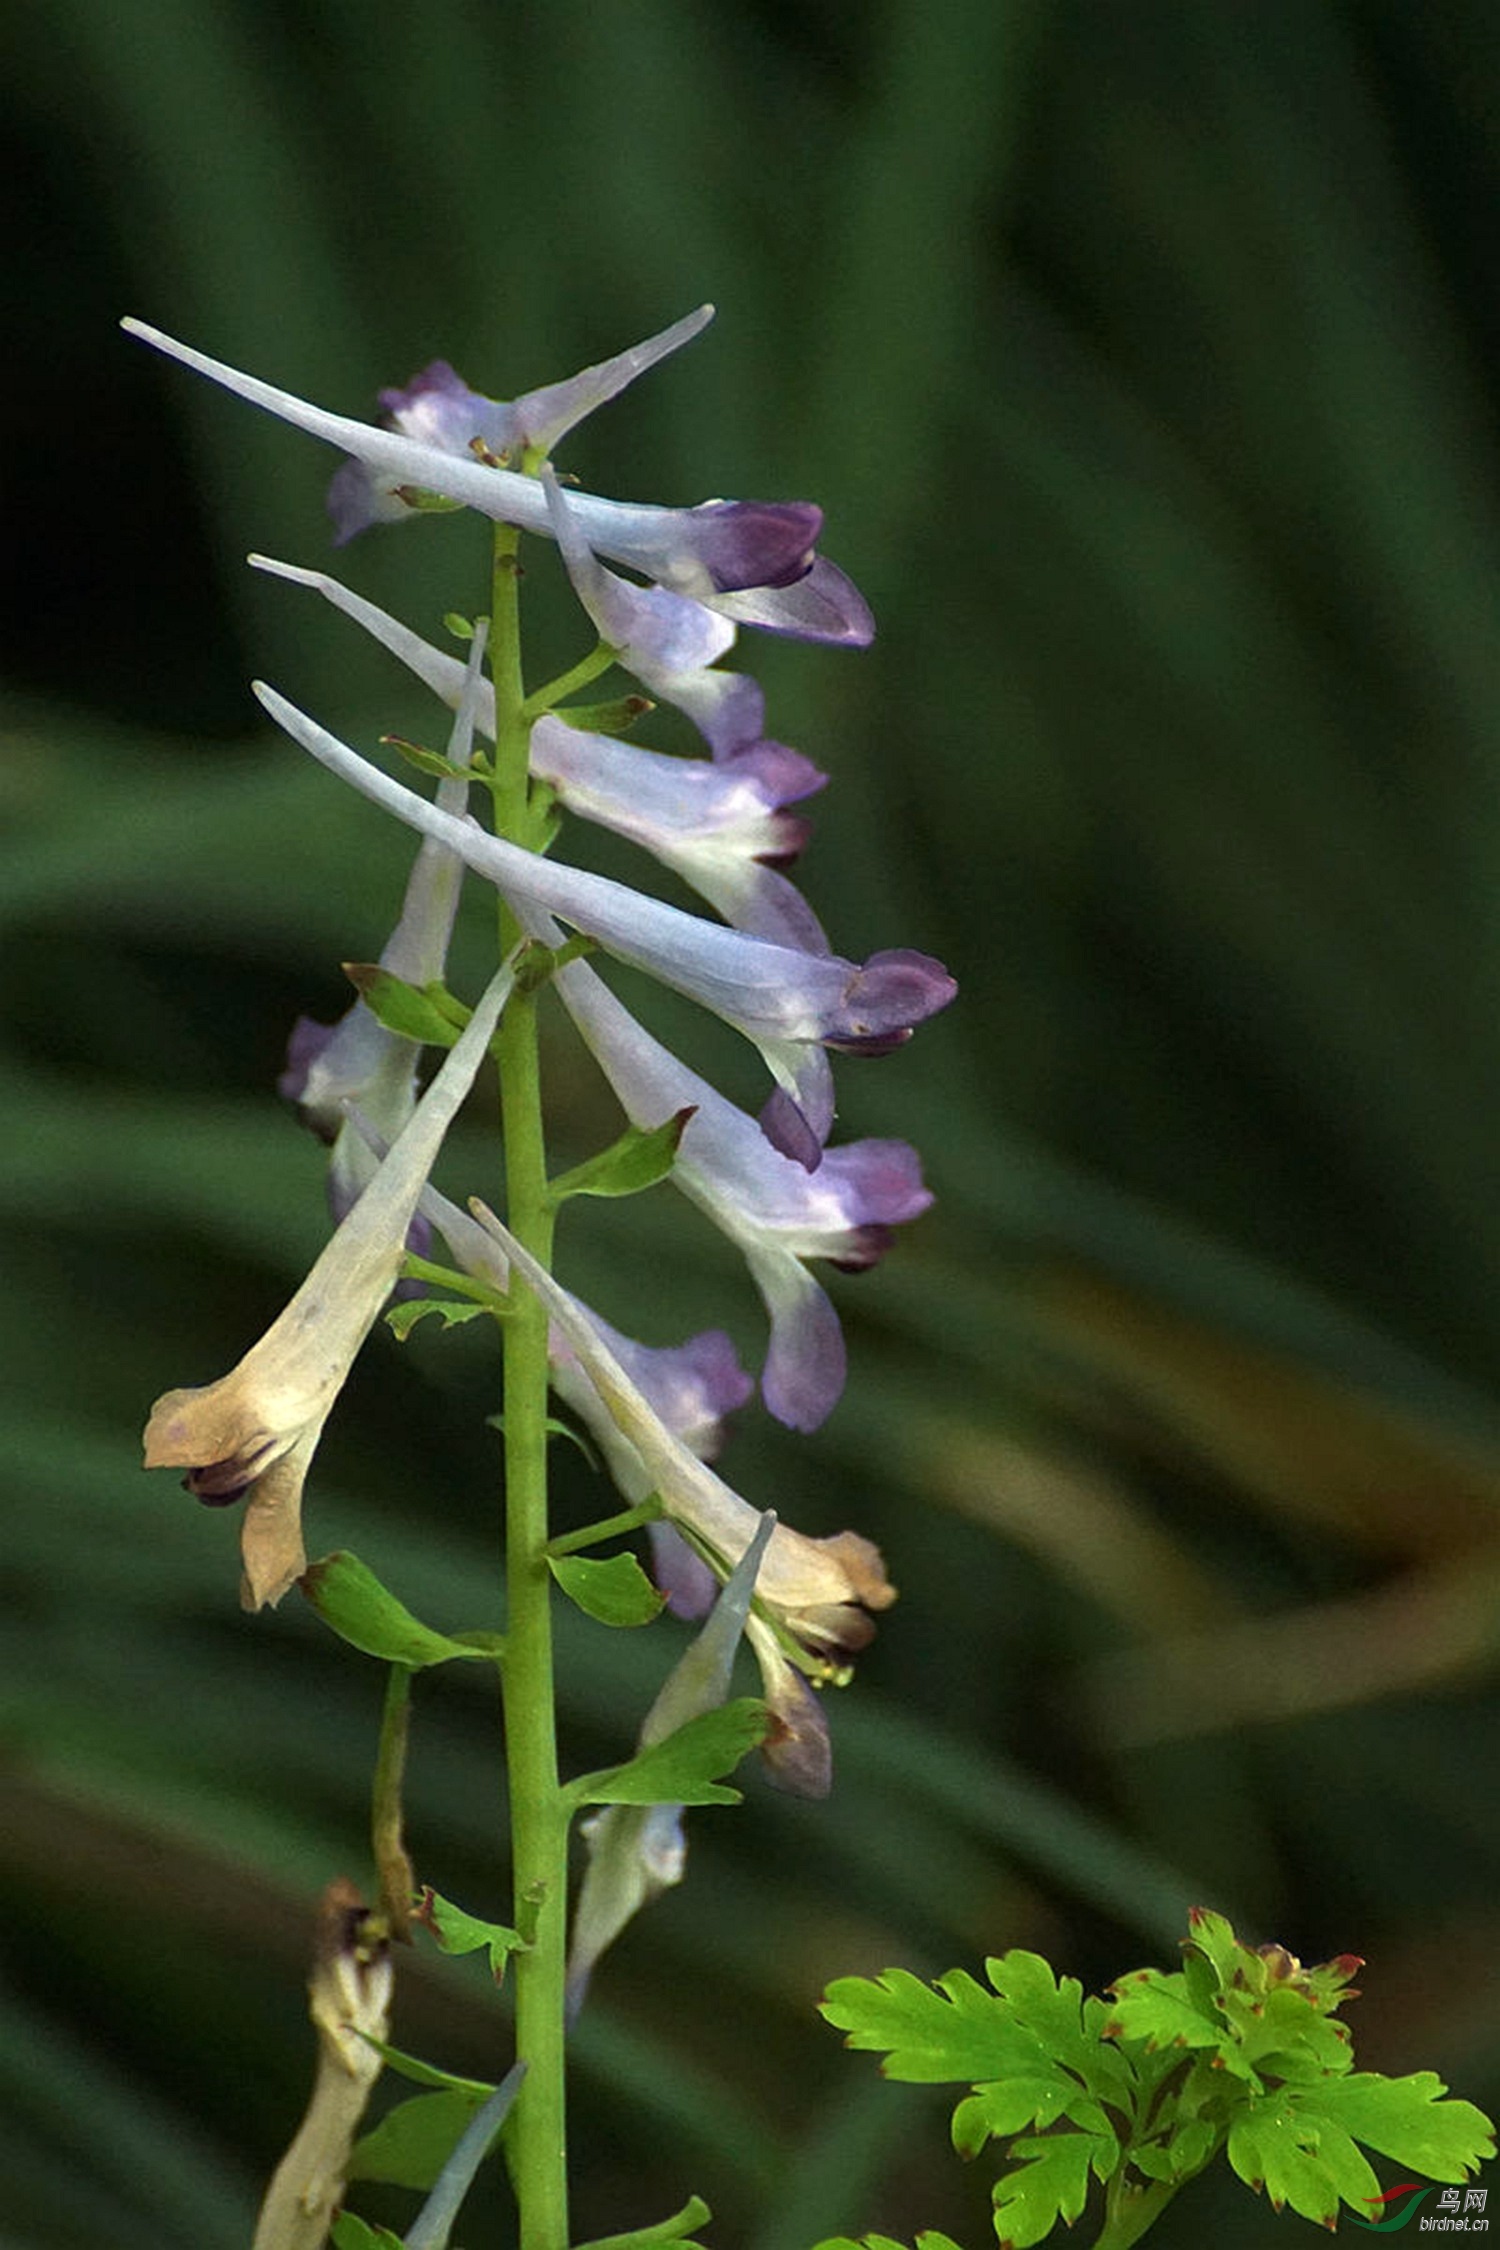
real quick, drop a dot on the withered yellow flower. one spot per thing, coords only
(253, 1434)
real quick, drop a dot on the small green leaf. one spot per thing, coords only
(1070, 2029)
(613, 717)
(1286, 2034)
(353, 2233)
(1157, 2007)
(1407, 2120)
(1271, 2147)
(934, 2034)
(1051, 2182)
(425, 760)
(351, 1600)
(1212, 1936)
(613, 1590)
(451, 1311)
(1009, 2106)
(683, 1768)
(1185, 2151)
(929, 2239)
(412, 2143)
(635, 1161)
(458, 1932)
(694, 2214)
(429, 1014)
(428, 2074)
(426, 503)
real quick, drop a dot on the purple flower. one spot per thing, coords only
(823, 605)
(790, 1003)
(437, 408)
(723, 828)
(779, 1214)
(721, 547)
(358, 1063)
(691, 1387)
(670, 643)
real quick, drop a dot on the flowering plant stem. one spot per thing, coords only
(538, 1813)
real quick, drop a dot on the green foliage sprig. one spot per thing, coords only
(1237, 2051)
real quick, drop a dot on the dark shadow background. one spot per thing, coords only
(1143, 359)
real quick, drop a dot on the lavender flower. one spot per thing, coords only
(670, 643)
(779, 1214)
(358, 1063)
(721, 549)
(723, 828)
(790, 1003)
(691, 1387)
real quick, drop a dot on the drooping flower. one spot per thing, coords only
(789, 1002)
(638, 1851)
(721, 550)
(692, 1386)
(778, 1214)
(816, 1593)
(671, 643)
(359, 1063)
(792, 1004)
(724, 828)
(252, 1434)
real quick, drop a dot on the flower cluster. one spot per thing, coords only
(728, 824)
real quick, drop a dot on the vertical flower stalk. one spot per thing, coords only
(538, 1818)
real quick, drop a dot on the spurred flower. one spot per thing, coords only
(720, 550)
(253, 1433)
(724, 828)
(692, 1386)
(438, 408)
(789, 1002)
(637, 1851)
(779, 1214)
(359, 1063)
(816, 1592)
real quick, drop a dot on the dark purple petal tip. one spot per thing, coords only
(797, 1754)
(892, 992)
(788, 1130)
(306, 1043)
(746, 543)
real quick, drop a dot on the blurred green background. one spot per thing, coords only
(1143, 359)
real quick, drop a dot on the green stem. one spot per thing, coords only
(387, 1842)
(567, 683)
(538, 1813)
(608, 1527)
(1130, 2210)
